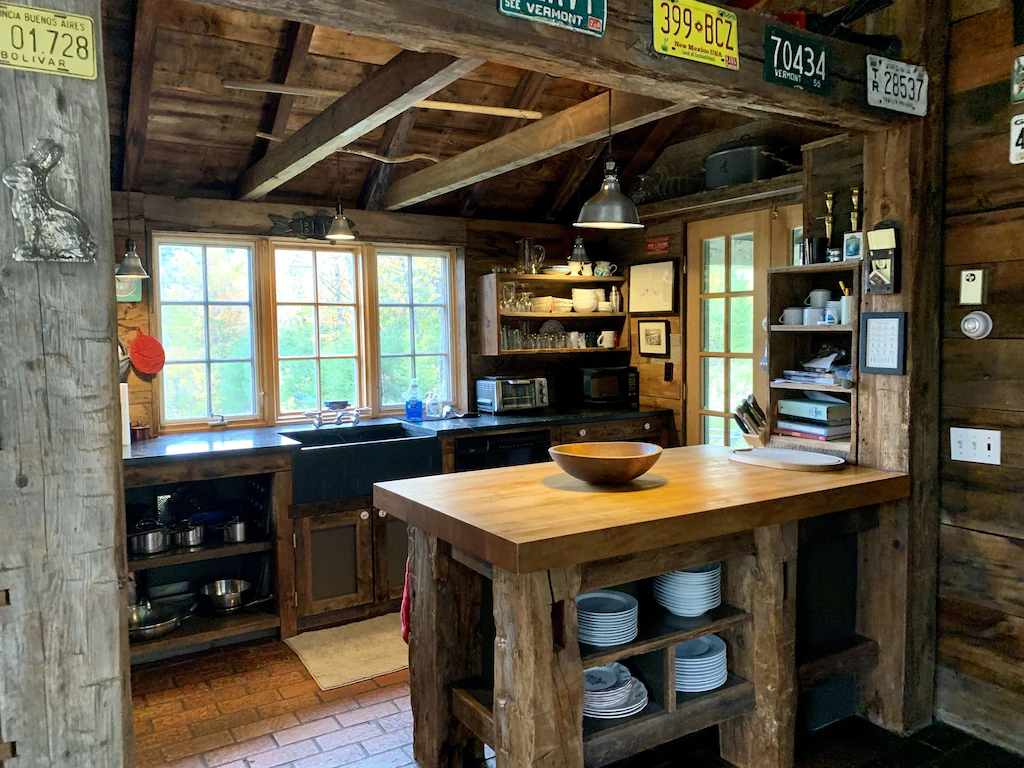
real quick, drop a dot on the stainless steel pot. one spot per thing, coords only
(188, 535)
(226, 596)
(149, 622)
(233, 531)
(149, 538)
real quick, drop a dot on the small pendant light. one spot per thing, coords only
(609, 208)
(341, 227)
(579, 252)
(131, 265)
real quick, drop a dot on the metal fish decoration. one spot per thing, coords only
(303, 225)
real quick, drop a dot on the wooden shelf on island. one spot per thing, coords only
(833, 266)
(812, 328)
(200, 629)
(206, 552)
(812, 387)
(560, 315)
(664, 630)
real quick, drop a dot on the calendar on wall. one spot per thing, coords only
(883, 342)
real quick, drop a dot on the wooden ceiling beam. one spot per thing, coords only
(296, 51)
(147, 16)
(625, 59)
(392, 144)
(386, 93)
(546, 138)
(585, 160)
(652, 147)
(526, 95)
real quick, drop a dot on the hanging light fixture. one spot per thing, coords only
(341, 227)
(131, 265)
(609, 208)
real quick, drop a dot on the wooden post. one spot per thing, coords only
(898, 416)
(764, 584)
(64, 697)
(284, 557)
(538, 676)
(445, 647)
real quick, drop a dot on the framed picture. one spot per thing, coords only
(652, 288)
(654, 336)
(853, 246)
(883, 342)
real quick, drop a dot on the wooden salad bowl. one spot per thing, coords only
(605, 463)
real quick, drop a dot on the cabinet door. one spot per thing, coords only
(390, 552)
(333, 561)
(649, 429)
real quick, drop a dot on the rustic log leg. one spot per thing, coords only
(538, 677)
(765, 653)
(444, 648)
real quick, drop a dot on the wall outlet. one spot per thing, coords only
(972, 287)
(981, 446)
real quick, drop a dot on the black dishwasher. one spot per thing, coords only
(486, 452)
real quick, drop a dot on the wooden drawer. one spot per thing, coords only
(649, 428)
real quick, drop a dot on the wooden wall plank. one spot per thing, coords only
(987, 374)
(983, 643)
(983, 237)
(983, 569)
(986, 710)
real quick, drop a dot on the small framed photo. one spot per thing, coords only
(652, 288)
(853, 246)
(654, 336)
(883, 342)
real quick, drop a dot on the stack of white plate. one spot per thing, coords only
(612, 692)
(691, 592)
(701, 664)
(606, 617)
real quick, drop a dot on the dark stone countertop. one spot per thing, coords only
(548, 417)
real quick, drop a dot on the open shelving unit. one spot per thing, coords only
(789, 344)
(208, 632)
(196, 555)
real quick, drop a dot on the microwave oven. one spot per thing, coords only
(612, 386)
(496, 394)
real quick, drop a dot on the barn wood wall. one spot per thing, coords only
(980, 681)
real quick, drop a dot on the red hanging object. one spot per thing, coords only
(147, 354)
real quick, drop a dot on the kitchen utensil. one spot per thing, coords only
(587, 269)
(187, 535)
(146, 353)
(148, 538)
(233, 531)
(606, 339)
(604, 306)
(739, 162)
(605, 268)
(787, 459)
(813, 315)
(606, 617)
(691, 592)
(847, 310)
(818, 298)
(149, 622)
(701, 664)
(605, 463)
(226, 596)
(531, 256)
(792, 316)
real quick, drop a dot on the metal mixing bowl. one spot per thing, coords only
(224, 596)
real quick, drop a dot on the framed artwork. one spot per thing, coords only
(652, 288)
(654, 335)
(853, 246)
(883, 342)
(127, 289)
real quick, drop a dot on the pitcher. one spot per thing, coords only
(531, 256)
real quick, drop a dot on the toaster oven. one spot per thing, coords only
(496, 394)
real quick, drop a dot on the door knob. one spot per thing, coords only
(381, 513)
(364, 515)
(583, 433)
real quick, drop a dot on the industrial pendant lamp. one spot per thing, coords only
(341, 227)
(131, 265)
(609, 208)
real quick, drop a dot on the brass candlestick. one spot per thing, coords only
(855, 213)
(829, 217)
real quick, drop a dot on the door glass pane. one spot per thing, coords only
(712, 430)
(185, 391)
(713, 322)
(227, 272)
(295, 334)
(231, 389)
(183, 327)
(294, 272)
(297, 385)
(336, 277)
(713, 398)
(741, 324)
(338, 379)
(797, 245)
(332, 554)
(714, 265)
(741, 379)
(741, 272)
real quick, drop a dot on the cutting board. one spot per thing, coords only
(788, 459)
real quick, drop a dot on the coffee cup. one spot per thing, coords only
(846, 310)
(792, 316)
(813, 315)
(606, 339)
(818, 297)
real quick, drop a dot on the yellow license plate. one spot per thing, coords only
(38, 40)
(696, 31)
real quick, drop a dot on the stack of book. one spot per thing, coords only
(813, 419)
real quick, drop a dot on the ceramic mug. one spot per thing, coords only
(606, 339)
(586, 269)
(575, 268)
(833, 312)
(818, 297)
(813, 315)
(846, 310)
(792, 316)
(605, 269)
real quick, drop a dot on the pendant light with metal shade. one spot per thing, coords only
(131, 265)
(341, 227)
(609, 208)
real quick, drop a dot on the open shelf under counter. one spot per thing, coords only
(208, 630)
(197, 555)
(812, 329)
(662, 630)
(798, 386)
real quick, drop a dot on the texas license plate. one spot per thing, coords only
(897, 85)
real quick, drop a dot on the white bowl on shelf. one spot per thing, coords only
(604, 306)
(584, 307)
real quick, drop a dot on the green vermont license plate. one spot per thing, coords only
(797, 61)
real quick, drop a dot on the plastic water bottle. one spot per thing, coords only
(413, 404)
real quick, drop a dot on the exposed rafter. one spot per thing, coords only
(392, 144)
(386, 93)
(652, 147)
(585, 159)
(147, 16)
(527, 94)
(279, 106)
(551, 136)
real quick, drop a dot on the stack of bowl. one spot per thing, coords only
(584, 300)
(542, 303)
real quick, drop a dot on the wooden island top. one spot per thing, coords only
(535, 517)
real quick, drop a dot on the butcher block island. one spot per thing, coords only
(523, 542)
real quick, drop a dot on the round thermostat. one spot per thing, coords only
(976, 325)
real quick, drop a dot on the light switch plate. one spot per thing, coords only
(972, 287)
(980, 446)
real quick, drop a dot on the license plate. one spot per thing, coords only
(696, 31)
(797, 61)
(897, 85)
(38, 40)
(1017, 140)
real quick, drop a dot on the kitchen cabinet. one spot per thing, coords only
(334, 561)
(651, 429)
(390, 551)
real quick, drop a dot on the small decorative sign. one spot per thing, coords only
(883, 342)
(897, 86)
(657, 245)
(588, 17)
(53, 43)
(1017, 83)
(797, 61)
(304, 226)
(688, 29)
(654, 338)
(1017, 140)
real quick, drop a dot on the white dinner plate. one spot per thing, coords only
(706, 646)
(606, 678)
(605, 601)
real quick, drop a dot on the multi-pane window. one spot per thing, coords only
(414, 324)
(204, 297)
(318, 338)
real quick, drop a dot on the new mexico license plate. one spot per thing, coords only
(691, 30)
(38, 40)
(897, 85)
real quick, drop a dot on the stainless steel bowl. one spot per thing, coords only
(224, 596)
(149, 538)
(188, 535)
(149, 622)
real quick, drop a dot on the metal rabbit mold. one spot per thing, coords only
(46, 229)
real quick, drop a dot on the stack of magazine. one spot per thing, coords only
(818, 416)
